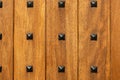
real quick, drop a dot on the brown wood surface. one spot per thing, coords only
(29, 52)
(94, 53)
(6, 44)
(45, 52)
(115, 40)
(61, 20)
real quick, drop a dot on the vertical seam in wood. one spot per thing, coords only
(110, 36)
(13, 34)
(45, 39)
(78, 39)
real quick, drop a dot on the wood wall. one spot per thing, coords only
(78, 22)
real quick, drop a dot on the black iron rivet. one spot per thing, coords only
(61, 36)
(0, 36)
(94, 69)
(29, 68)
(29, 4)
(61, 4)
(93, 37)
(61, 68)
(1, 4)
(29, 36)
(0, 68)
(93, 3)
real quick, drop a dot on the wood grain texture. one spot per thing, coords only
(108, 55)
(61, 20)
(115, 40)
(94, 21)
(29, 52)
(6, 44)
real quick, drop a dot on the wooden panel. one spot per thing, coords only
(6, 44)
(93, 20)
(115, 39)
(64, 52)
(29, 52)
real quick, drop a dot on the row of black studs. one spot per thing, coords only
(61, 4)
(60, 69)
(61, 36)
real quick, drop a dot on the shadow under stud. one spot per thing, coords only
(0, 68)
(0, 36)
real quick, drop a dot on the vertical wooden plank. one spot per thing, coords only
(108, 55)
(6, 44)
(61, 52)
(93, 20)
(29, 52)
(115, 34)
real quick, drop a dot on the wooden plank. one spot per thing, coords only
(115, 34)
(6, 44)
(93, 20)
(64, 52)
(29, 52)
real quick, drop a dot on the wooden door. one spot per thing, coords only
(29, 40)
(115, 39)
(61, 40)
(93, 39)
(6, 39)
